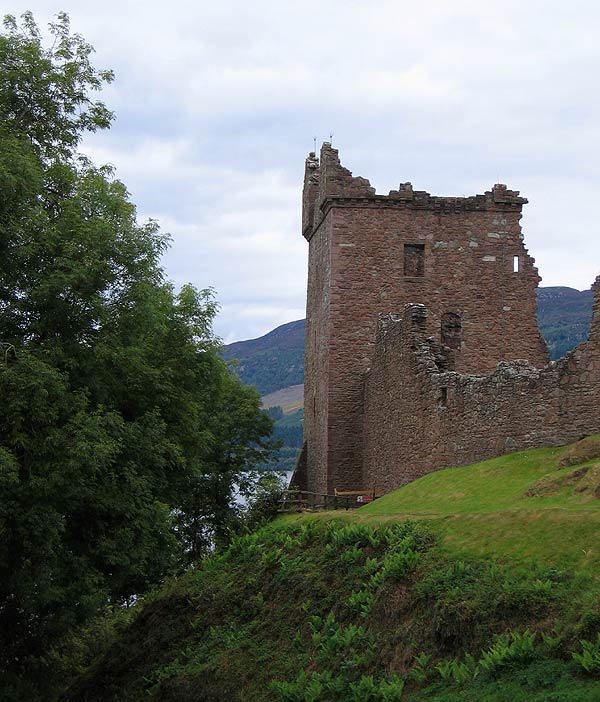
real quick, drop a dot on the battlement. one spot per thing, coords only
(328, 184)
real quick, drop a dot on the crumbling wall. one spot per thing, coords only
(370, 254)
(419, 417)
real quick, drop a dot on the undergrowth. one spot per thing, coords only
(331, 611)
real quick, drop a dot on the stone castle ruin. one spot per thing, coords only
(420, 311)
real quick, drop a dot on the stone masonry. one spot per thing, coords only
(420, 417)
(409, 295)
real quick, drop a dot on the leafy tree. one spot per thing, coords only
(122, 432)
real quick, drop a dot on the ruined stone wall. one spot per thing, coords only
(456, 255)
(419, 418)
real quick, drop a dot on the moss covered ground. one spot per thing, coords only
(475, 583)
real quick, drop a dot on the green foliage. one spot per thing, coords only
(44, 94)
(421, 669)
(275, 413)
(391, 688)
(288, 431)
(271, 618)
(463, 593)
(361, 602)
(507, 648)
(398, 564)
(123, 436)
(552, 643)
(398, 560)
(352, 555)
(459, 672)
(264, 502)
(589, 658)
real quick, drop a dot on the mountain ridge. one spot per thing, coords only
(272, 361)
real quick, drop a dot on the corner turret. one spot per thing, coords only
(326, 179)
(310, 193)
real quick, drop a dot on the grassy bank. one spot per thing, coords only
(538, 505)
(475, 583)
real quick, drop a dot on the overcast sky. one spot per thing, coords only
(217, 105)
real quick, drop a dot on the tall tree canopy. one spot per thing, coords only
(122, 433)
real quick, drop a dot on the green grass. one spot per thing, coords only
(496, 485)
(481, 510)
(381, 602)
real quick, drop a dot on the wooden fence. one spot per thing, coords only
(305, 501)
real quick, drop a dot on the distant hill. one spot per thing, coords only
(273, 361)
(276, 360)
(564, 317)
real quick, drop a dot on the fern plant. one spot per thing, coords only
(589, 658)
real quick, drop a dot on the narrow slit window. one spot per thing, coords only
(516, 264)
(444, 397)
(414, 260)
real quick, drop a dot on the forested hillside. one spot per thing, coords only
(273, 361)
(564, 317)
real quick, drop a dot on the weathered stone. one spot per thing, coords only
(408, 434)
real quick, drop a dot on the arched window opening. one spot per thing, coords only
(451, 330)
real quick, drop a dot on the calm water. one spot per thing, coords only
(286, 475)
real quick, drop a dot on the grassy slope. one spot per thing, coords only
(481, 510)
(499, 561)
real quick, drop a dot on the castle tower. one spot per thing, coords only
(463, 258)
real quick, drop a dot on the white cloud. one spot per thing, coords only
(217, 105)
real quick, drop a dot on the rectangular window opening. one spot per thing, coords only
(516, 264)
(414, 260)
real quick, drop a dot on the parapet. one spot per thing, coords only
(328, 184)
(337, 181)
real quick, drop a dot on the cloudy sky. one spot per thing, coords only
(217, 105)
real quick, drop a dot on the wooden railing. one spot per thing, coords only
(305, 501)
